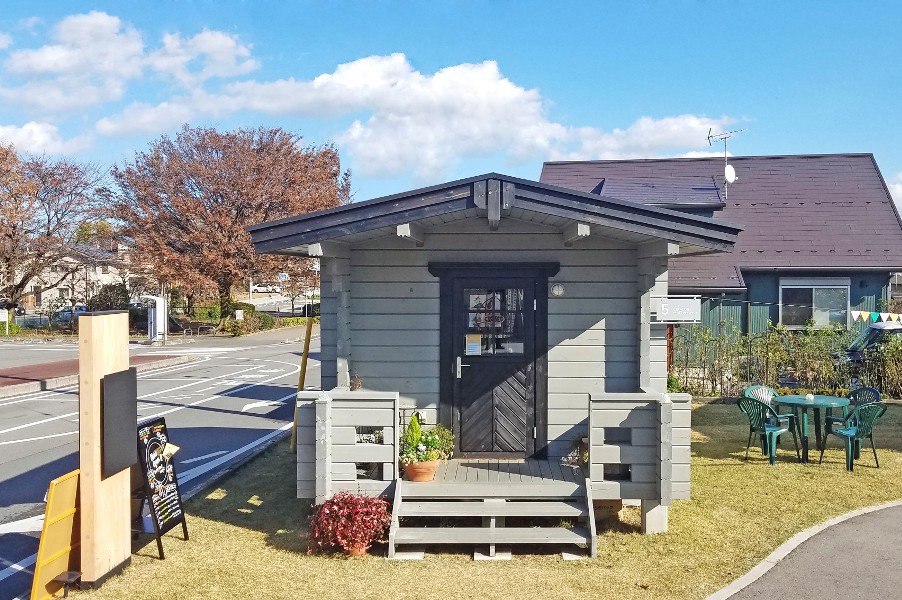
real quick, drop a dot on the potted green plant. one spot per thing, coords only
(349, 521)
(422, 451)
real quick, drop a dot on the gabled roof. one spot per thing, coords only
(510, 195)
(798, 212)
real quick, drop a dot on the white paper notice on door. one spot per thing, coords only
(473, 345)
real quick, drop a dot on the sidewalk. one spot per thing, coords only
(62, 373)
(860, 557)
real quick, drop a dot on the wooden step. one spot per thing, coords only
(418, 508)
(492, 535)
(480, 490)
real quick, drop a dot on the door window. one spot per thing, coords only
(495, 321)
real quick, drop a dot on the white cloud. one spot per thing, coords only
(93, 44)
(144, 118)
(418, 122)
(423, 123)
(389, 117)
(895, 188)
(219, 55)
(646, 138)
(40, 138)
(29, 24)
(92, 58)
(139, 117)
(5, 40)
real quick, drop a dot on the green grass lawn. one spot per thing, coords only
(248, 537)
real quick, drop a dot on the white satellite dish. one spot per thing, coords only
(729, 173)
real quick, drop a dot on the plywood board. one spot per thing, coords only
(104, 502)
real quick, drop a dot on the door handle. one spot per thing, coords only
(460, 366)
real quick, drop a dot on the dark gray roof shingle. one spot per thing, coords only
(805, 211)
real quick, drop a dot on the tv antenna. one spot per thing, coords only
(729, 173)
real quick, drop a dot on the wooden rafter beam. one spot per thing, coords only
(575, 231)
(412, 232)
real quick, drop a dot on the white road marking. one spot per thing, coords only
(144, 397)
(39, 438)
(28, 525)
(22, 565)
(204, 457)
(41, 422)
(261, 404)
(187, 351)
(198, 471)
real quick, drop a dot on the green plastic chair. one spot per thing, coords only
(770, 397)
(763, 419)
(858, 426)
(862, 395)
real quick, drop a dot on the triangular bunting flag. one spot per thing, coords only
(855, 314)
(884, 317)
(893, 317)
(875, 317)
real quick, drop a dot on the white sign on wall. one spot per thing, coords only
(677, 309)
(4, 315)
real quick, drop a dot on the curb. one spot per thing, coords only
(788, 546)
(227, 471)
(54, 383)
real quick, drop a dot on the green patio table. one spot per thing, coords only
(800, 404)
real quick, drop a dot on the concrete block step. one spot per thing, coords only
(492, 535)
(477, 508)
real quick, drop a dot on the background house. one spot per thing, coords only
(821, 234)
(79, 275)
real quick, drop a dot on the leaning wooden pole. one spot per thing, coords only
(301, 378)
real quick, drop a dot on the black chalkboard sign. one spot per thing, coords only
(119, 411)
(161, 487)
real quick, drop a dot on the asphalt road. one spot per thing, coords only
(858, 558)
(235, 397)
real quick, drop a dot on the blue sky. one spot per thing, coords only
(415, 93)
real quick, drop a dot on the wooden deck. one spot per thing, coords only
(494, 490)
(532, 471)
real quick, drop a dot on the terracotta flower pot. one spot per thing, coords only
(356, 551)
(421, 471)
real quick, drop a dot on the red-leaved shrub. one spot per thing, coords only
(348, 521)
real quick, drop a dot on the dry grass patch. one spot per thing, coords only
(248, 537)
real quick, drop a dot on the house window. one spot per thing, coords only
(105, 269)
(824, 301)
(63, 292)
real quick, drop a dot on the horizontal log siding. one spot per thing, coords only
(682, 450)
(592, 328)
(658, 450)
(328, 451)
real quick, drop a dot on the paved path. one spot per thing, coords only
(858, 558)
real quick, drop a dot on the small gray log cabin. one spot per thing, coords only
(516, 313)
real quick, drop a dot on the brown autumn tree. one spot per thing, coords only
(187, 200)
(44, 204)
